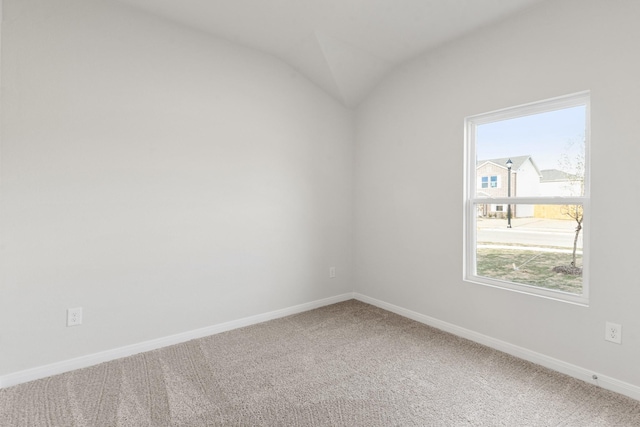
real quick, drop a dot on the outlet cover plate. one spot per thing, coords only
(74, 316)
(613, 332)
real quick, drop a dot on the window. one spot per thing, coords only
(489, 181)
(527, 198)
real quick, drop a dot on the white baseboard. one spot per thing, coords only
(583, 374)
(117, 353)
(578, 372)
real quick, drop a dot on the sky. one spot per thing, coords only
(546, 137)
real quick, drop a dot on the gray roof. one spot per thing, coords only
(551, 175)
(517, 162)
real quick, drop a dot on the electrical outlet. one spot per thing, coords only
(74, 316)
(332, 272)
(613, 332)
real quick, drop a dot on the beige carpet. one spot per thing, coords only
(348, 364)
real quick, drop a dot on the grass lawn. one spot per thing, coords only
(532, 268)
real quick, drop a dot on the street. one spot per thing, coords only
(530, 233)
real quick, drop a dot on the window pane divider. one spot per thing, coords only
(530, 200)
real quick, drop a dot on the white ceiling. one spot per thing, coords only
(344, 46)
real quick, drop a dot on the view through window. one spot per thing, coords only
(527, 198)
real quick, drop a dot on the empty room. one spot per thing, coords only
(319, 212)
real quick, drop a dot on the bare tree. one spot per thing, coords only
(575, 212)
(572, 162)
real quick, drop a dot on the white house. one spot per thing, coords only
(554, 182)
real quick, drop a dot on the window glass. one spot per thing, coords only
(547, 151)
(538, 250)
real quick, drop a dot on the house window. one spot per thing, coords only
(535, 239)
(489, 182)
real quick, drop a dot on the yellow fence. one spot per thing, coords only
(550, 212)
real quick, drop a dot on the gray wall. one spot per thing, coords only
(160, 178)
(409, 178)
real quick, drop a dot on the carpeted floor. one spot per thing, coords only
(348, 364)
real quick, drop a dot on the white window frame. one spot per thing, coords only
(471, 200)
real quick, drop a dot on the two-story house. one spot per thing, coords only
(492, 181)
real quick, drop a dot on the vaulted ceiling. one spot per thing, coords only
(344, 46)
